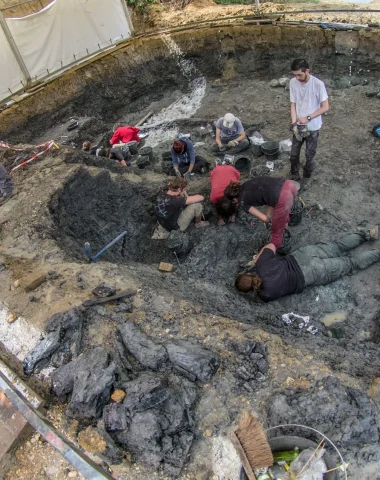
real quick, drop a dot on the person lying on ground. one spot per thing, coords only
(276, 276)
(175, 209)
(184, 159)
(86, 147)
(220, 177)
(124, 134)
(7, 188)
(230, 135)
(275, 193)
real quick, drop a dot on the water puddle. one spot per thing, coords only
(182, 108)
(334, 317)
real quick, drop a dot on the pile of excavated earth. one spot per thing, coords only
(153, 381)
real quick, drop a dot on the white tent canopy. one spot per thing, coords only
(10, 71)
(63, 33)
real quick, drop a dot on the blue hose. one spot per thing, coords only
(88, 249)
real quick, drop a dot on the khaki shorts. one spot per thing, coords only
(187, 215)
(184, 220)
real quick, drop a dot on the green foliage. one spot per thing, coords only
(140, 4)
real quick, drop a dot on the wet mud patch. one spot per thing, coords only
(96, 209)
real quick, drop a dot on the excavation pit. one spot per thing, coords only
(231, 67)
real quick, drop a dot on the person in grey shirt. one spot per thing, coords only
(230, 135)
(7, 188)
(308, 102)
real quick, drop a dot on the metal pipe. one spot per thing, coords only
(87, 249)
(108, 246)
(78, 460)
(127, 15)
(15, 49)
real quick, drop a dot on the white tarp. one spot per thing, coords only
(10, 72)
(60, 34)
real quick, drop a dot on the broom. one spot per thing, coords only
(251, 445)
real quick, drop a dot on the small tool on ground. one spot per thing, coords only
(87, 248)
(166, 267)
(125, 293)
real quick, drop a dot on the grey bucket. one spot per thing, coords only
(242, 163)
(296, 213)
(146, 152)
(270, 150)
(256, 149)
(285, 443)
(179, 243)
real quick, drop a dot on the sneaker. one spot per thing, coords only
(202, 224)
(373, 233)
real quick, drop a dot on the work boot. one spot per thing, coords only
(372, 233)
(306, 182)
(6, 197)
(294, 176)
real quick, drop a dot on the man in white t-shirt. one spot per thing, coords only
(230, 135)
(308, 102)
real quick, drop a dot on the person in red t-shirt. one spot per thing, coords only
(124, 134)
(220, 178)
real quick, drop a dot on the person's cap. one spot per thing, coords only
(228, 120)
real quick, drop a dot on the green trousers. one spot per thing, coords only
(325, 262)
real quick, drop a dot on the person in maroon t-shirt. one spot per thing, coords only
(277, 194)
(220, 178)
(124, 134)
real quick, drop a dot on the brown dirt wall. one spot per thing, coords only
(139, 60)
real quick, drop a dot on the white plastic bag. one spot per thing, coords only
(257, 138)
(285, 145)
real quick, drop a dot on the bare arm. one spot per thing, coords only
(241, 137)
(270, 246)
(268, 211)
(293, 113)
(194, 199)
(261, 216)
(321, 110)
(217, 137)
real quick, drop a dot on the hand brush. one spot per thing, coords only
(251, 444)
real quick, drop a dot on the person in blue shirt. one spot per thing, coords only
(184, 159)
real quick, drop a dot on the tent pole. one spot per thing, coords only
(126, 11)
(14, 48)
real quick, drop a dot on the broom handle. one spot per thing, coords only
(339, 467)
(243, 458)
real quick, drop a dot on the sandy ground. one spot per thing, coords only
(163, 16)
